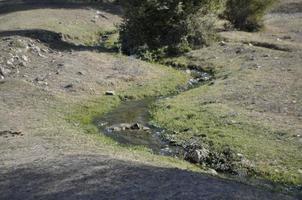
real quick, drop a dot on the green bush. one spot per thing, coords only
(171, 25)
(247, 14)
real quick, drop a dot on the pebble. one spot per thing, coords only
(222, 43)
(212, 172)
(25, 58)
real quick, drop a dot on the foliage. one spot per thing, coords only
(170, 26)
(247, 14)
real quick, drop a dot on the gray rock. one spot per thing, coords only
(222, 43)
(40, 78)
(44, 50)
(145, 128)
(4, 72)
(197, 155)
(212, 172)
(125, 126)
(23, 64)
(41, 55)
(44, 83)
(9, 63)
(25, 58)
(117, 129)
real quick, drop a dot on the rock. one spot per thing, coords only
(80, 73)
(197, 155)
(68, 86)
(114, 128)
(25, 58)
(42, 83)
(9, 63)
(222, 43)
(110, 93)
(44, 50)
(1, 77)
(40, 78)
(136, 126)
(212, 172)
(125, 126)
(35, 49)
(41, 55)
(145, 128)
(117, 129)
(23, 64)
(4, 72)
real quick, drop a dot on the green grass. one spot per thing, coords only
(84, 113)
(277, 159)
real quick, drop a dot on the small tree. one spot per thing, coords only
(247, 14)
(164, 26)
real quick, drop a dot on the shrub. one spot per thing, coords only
(247, 14)
(170, 25)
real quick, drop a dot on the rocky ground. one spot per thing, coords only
(53, 79)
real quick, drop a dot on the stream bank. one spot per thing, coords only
(130, 125)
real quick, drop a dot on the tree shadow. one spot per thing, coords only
(98, 177)
(9, 6)
(54, 40)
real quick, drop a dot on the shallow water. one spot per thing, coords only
(131, 112)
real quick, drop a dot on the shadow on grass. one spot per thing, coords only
(98, 177)
(54, 40)
(9, 6)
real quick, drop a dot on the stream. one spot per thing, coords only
(129, 125)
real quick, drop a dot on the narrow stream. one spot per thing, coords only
(129, 125)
